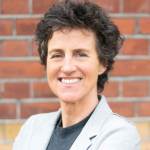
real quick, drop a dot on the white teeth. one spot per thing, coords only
(70, 81)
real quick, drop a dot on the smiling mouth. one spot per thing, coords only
(69, 81)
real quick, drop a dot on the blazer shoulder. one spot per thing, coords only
(117, 122)
(121, 133)
(31, 126)
(123, 129)
(42, 117)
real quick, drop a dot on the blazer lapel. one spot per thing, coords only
(93, 127)
(44, 131)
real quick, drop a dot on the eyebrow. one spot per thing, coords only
(55, 51)
(80, 49)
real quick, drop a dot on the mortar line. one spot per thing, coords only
(30, 6)
(121, 6)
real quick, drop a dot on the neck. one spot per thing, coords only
(73, 113)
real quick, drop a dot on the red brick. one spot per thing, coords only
(29, 69)
(14, 6)
(135, 47)
(126, 25)
(111, 89)
(132, 6)
(143, 109)
(41, 89)
(41, 6)
(132, 68)
(14, 48)
(16, 90)
(6, 27)
(135, 88)
(123, 108)
(144, 25)
(7, 111)
(26, 26)
(110, 6)
(29, 109)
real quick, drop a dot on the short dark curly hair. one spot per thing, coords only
(81, 14)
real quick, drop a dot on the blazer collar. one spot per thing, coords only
(93, 127)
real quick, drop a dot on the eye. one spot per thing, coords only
(57, 55)
(81, 54)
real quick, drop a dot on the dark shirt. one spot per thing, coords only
(63, 138)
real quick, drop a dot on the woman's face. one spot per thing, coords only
(73, 65)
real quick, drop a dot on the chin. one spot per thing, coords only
(67, 98)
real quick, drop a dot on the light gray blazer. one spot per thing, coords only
(103, 131)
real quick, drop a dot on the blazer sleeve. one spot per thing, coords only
(122, 138)
(24, 135)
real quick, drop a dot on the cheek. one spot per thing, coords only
(90, 70)
(50, 70)
(51, 76)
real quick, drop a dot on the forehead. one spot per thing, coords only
(78, 38)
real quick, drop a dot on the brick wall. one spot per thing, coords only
(23, 86)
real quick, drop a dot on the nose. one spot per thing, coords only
(68, 65)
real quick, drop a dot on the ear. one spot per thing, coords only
(102, 70)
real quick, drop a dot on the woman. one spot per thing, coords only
(77, 44)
